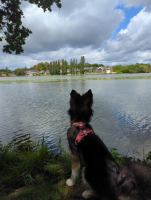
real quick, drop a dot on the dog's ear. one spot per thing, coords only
(88, 94)
(73, 94)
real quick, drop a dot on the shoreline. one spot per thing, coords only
(74, 79)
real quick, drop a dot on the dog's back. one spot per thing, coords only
(101, 171)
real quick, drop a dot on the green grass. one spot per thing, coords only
(31, 171)
(74, 79)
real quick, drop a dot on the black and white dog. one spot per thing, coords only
(102, 175)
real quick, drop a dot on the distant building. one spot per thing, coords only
(47, 72)
(68, 70)
(32, 72)
(12, 74)
(3, 75)
(88, 68)
(99, 70)
(108, 71)
(42, 72)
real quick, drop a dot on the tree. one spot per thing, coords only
(76, 67)
(50, 68)
(54, 68)
(11, 28)
(46, 67)
(82, 65)
(64, 67)
(58, 67)
(20, 71)
(71, 66)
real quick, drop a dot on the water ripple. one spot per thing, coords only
(122, 116)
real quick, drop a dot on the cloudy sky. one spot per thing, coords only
(104, 31)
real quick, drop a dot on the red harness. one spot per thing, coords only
(83, 131)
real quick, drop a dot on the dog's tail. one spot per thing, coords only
(137, 176)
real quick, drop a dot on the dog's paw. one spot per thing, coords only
(85, 194)
(70, 182)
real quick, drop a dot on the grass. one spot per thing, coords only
(31, 171)
(74, 79)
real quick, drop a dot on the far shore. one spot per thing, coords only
(74, 79)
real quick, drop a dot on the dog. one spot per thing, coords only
(103, 177)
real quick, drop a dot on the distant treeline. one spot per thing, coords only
(5, 71)
(137, 68)
(57, 67)
(62, 67)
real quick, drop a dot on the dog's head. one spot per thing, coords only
(81, 106)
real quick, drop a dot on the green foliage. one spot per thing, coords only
(5, 71)
(73, 66)
(39, 66)
(46, 67)
(118, 157)
(72, 70)
(97, 65)
(137, 68)
(82, 65)
(11, 25)
(148, 157)
(58, 67)
(20, 71)
(25, 164)
(64, 67)
(50, 68)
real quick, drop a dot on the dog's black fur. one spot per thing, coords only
(101, 172)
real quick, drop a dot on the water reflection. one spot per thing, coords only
(122, 116)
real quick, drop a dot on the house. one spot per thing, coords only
(99, 70)
(47, 72)
(3, 75)
(88, 70)
(108, 71)
(12, 74)
(42, 72)
(32, 72)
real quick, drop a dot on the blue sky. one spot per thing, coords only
(129, 14)
(108, 32)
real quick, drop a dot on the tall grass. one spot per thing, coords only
(32, 171)
(31, 165)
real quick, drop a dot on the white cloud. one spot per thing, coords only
(75, 25)
(132, 44)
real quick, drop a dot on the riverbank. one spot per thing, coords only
(30, 171)
(73, 79)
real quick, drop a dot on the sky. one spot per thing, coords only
(106, 32)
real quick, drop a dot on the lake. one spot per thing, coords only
(122, 111)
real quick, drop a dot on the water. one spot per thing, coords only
(122, 112)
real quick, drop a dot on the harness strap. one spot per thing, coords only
(83, 131)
